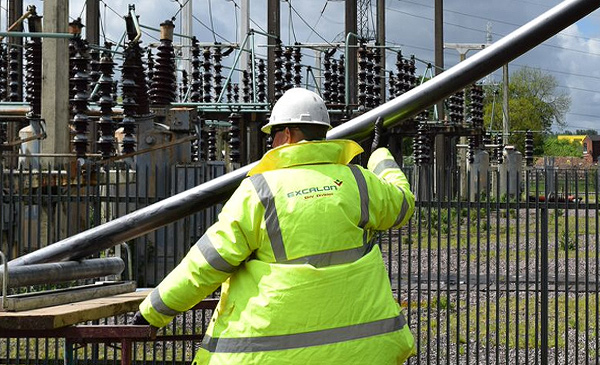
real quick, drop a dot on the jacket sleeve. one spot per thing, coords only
(216, 255)
(391, 203)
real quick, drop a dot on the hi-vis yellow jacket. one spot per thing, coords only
(301, 282)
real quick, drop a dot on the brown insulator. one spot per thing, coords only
(206, 76)
(3, 73)
(229, 94)
(212, 143)
(377, 79)
(297, 66)
(370, 80)
(362, 75)
(476, 106)
(421, 145)
(196, 84)
(105, 125)
(334, 81)
(498, 149)
(456, 107)
(14, 75)
(184, 85)
(288, 65)
(341, 85)
(79, 102)
(164, 81)
(278, 73)
(235, 138)
(128, 92)
(236, 93)
(203, 140)
(528, 155)
(401, 85)
(94, 72)
(33, 70)
(217, 67)
(392, 85)
(327, 78)
(471, 149)
(150, 66)
(261, 81)
(75, 44)
(142, 92)
(246, 87)
(411, 72)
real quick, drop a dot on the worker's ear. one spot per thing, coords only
(287, 132)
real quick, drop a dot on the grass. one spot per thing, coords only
(508, 323)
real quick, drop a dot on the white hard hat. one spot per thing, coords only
(298, 106)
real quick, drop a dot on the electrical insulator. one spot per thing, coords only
(184, 85)
(341, 84)
(362, 74)
(3, 73)
(196, 92)
(370, 87)
(229, 94)
(471, 150)
(392, 85)
(212, 143)
(421, 148)
(278, 73)
(327, 77)
(410, 72)
(377, 77)
(288, 65)
(105, 125)
(236, 93)
(246, 87)
(297, 66)
(400, 86)
(334, 81)
(203, 140)
(79, 103)
(128, 92)
(456, 106)
(94, 72)
(33, 74)
(476, 106)
(14, 75)
(234, 138)
(528, 148)
(164, 80)
(499, 148)
(76, 43)
(150, 66)
(206, 75)
(217, 67)
(261, 83)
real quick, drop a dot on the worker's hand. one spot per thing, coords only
(139, 320)
(380, 135)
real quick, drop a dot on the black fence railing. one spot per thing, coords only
(503, 269)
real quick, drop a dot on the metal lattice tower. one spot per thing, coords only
(362, 21)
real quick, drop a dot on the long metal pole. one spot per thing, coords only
(152, 217)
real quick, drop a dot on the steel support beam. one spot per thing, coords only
(274, 29)
(394, 112)
(351, 61)
(92, 20)
(59, 272)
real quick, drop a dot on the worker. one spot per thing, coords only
(302, 280)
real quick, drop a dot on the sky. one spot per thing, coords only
(572, 56)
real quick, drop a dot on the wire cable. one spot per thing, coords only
(212, 24)
(207, 27)
(317, 22)
(291, 21)
(308, 25)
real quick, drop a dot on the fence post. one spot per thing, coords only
(544, 283)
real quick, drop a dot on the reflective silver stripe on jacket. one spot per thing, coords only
(212, 256)
(272, 221)
(307, 339)
(363, 192)
(385, 164)
(403, 208)
(160, 306)
(331, 258)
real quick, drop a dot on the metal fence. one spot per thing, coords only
(507, 277)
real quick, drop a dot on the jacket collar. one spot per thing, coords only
(338, 151)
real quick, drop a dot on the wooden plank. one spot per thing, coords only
(28, 301)
(73, 313)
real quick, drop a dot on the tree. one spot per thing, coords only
(533, 104)
(554, 147)
(586, 132)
